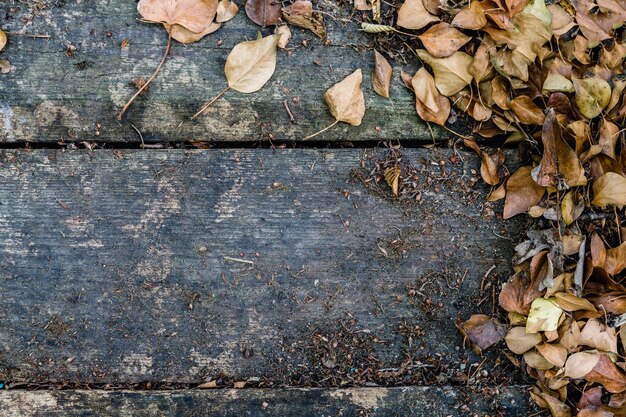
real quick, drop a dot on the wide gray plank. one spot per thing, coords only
(51, 97)
(401, 402)
(114, 268)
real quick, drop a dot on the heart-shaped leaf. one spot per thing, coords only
(442, 40)
(413, 15)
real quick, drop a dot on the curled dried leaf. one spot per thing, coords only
(382, 75)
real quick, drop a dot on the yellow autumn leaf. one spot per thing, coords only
(544, 315)
(592, 96)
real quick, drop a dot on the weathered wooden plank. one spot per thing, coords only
(405, 402)
(49, 96)
(117, 267)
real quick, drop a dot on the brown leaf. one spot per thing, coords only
(442, 40)
(300, 13)
(264, 12)
(382, 75)
(471, 17)
(609, 190)
(345, 99)
(413, 15)
(578, 365)
(481, 68)
(489, 163)
(615, 259)
(522, 193)
(226, 10)
(451, 73)
(605, 372)
(553, 353)
(559, 159)
(251, 64)
(598, 21)
(598, 251)
(569, 302)
(392, 176)
(483, 331)
(557, 408)
(527, 111)
(430, 105)
(3, 40)
(562, 21)
(598, 336)
(185, 36)
(193, 15)
(608, 136)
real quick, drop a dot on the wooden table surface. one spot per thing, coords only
(130, 275)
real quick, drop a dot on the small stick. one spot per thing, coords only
(293, 119)
(321, 131)
(206, 106)
(167, 51)
(243, 261)
(28, 35)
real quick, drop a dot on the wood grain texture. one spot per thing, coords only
(115, 267)
(49, 96)
(352, 402)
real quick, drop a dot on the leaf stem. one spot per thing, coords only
(213, 100)
(167, 51)
(321, 131)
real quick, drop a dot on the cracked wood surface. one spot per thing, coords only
(388, 402)
(50, 96)
(177, 266)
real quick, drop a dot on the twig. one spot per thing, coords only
(291, 118)
(243, 261)
(143, 87)
(28, 35)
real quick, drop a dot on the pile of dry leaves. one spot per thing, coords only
(549, 78)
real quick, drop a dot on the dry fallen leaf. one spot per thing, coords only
(544, 315)
(413, 15)
(3, 40)
(615, 259)
(527, 111)
(609, 190)
(451, 73)
(285, 35)
(300, 13)
(392, 176)
(193, 15)
(482, 331)
(382, 75)
(264, 12)
(519, 342)
(592, 96)
(442, 40)
(471, 17)
(430, 105)
(346, 101)
(226, 10)
(249, 66)
(522, 193)
(490, 164)
(185, 36)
